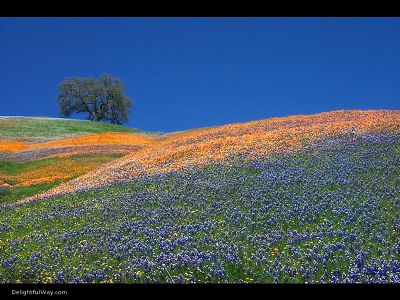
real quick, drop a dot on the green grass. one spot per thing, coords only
(10, 195)
(15, 168)
(36, 127)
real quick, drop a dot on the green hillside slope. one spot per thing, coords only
(42, 127)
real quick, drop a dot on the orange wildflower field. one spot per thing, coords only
(53, 171)
(249, 140)
(112, 138)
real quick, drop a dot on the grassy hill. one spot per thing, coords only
(43, 127)
(299, 199)
(39, 153)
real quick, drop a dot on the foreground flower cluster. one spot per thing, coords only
(328, 211)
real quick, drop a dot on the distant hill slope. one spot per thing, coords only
(200, 147)
(50, 128)
(37, 153)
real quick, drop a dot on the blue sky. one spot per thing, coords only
(186, 73)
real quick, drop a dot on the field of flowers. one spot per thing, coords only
(317, 201)
(197, 148)
(114, 142)
(330, 213)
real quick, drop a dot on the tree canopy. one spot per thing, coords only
(103, 99)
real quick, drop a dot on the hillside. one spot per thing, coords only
(39, 153)
(200, 147)
(50, 128)
(310, 198)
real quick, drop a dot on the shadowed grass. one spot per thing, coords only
(10, 195)
(14, 168)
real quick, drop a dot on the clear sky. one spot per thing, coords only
(185, 73)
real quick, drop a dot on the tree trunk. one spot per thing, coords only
(97, 118)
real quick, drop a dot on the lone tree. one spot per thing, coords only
(102, 99)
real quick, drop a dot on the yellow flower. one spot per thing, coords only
(48, 280)
(140, 273)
